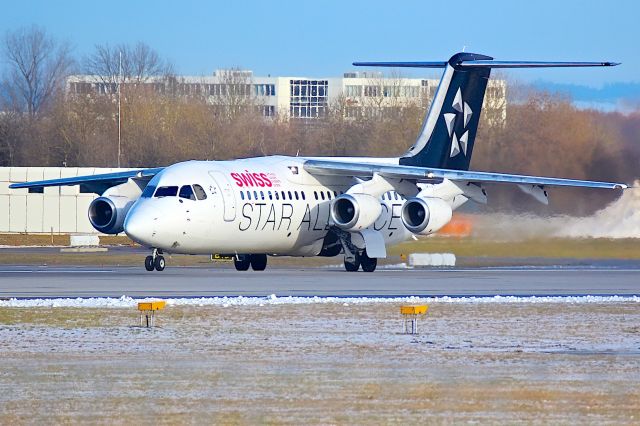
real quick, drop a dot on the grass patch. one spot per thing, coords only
(587, 248)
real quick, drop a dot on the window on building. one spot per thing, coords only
(353, 91)
(372, 91)
(309, 98)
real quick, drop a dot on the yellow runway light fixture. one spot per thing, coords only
(410, 314)
(148, 311)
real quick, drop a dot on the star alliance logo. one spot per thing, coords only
(450, 118)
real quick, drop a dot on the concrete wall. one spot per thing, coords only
(61, 209)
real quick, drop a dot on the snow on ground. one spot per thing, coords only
(128, 302)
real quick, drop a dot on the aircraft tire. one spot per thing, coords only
(258, 262)
(148, 263)
(368, 264)
(242, 262)
(159, 263)
(352, 267)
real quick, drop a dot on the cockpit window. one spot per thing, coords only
(187, 192)
(167, 191)
(148, 191)
(200, 192)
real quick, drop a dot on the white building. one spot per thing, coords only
(56, 210)
(362, 93)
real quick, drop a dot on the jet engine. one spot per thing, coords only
(107, 213)
(425, 215)
(353, 212)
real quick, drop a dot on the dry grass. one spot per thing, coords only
(587, 248)
(473, 250)
(327, 364)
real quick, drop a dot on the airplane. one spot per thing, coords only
(278, 205)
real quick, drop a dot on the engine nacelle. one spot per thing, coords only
(353, 212)
(107, 213)
(425, 215)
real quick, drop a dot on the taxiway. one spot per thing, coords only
(83, 281)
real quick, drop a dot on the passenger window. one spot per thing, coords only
(296, 194)
(255, 195)
(148, 191)
(270, 195)
(262, 195)
(335, 194)
(200, 193)
(277, 195)
(283, 196)
(290, 197)
(242, 195)
(187, 192)
(249, 195)
(322, 195)
(315, 194)
(167, 191)
(328, 195)
(303, 196)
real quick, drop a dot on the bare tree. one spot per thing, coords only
(139, 63)
(37, 68)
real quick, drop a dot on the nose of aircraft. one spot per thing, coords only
(139, 225)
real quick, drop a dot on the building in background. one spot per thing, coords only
(361, 93)
(58, 210)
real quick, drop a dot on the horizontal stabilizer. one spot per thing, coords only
(474, 60)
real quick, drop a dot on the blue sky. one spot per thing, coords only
(323, 38)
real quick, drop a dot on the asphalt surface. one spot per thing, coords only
(72, 281)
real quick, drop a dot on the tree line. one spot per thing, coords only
(41, 124)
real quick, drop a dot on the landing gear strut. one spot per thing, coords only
(258, 262)
(155, 261)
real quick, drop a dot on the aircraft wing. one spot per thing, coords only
(433, 175)
(95, 183)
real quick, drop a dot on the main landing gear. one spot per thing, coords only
(361, 259)
(258, 262)
(155, 261)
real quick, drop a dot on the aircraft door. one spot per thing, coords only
(228, 195)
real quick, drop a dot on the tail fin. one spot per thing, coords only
(449, 130)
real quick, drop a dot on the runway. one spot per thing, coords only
(77, 281)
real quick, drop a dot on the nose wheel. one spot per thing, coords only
(155, 261)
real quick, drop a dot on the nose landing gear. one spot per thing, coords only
(155, 261)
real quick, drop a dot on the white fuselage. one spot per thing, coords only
(257, 205)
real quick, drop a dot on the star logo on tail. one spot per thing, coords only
(462, 109)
